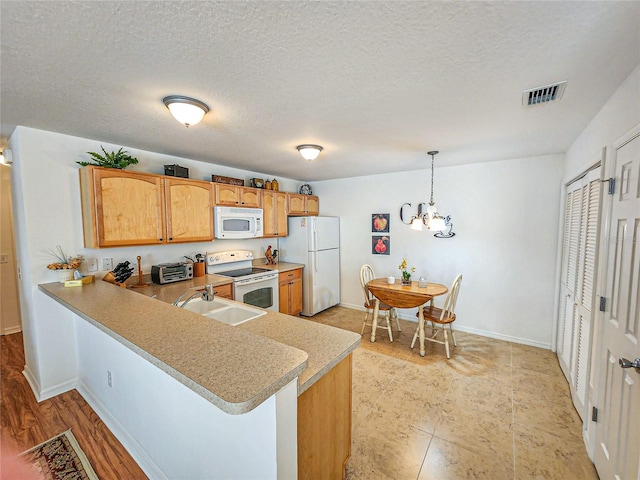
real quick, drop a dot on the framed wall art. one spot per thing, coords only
(380, 222)
(380, 245)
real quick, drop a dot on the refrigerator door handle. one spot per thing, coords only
(315, 262)
(315, 239)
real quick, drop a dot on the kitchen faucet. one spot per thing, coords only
(206, 294)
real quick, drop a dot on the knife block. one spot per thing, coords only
(111, 279)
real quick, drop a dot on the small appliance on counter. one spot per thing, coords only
(171, 272)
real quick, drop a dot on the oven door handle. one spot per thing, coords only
(257, 280)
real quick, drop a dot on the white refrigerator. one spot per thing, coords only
(315, 242)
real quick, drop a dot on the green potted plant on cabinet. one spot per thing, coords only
(120, 159)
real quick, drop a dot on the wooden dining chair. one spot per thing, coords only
(366, 275)
(441, 316)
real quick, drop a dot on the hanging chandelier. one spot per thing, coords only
(431, 218)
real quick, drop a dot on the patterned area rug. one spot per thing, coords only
(60, 458)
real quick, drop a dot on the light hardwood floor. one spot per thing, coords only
(26, 423)
(496, 410)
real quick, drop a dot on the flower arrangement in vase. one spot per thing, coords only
(64, 265)
(406, 272)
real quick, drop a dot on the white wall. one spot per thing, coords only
(9, 300)
(171, 431)
(505, 217)
(615, 118)
(47, 212)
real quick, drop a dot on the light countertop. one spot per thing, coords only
(280, 266)
(169, 292)
(235, 368)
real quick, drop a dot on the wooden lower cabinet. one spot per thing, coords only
(324, 425)
(290, 292)
(223, 291)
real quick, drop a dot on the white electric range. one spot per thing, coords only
(251, 285)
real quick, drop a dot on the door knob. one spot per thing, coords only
(624, 363)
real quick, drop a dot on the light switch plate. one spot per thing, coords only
(92, 265)
(107, 264)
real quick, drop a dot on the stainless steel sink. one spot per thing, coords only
(223, 310)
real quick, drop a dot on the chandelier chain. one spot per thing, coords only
(431, 200)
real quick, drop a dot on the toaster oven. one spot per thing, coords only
(171, 272)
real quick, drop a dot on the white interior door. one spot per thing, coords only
(617, 454)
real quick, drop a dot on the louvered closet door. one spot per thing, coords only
(570, 247)
(579, 261)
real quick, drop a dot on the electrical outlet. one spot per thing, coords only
(92, 265)
(109, 379)
(107, 264)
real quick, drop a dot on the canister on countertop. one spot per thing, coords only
(198, 269)
(267, 185)
(274, 185)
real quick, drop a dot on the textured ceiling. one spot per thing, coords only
(378, 84)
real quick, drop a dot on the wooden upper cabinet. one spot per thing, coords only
(274, 205)
(236, 196)
(121, 208)
(189, 205)
(303, 204)
(250, 197)
(313, 205)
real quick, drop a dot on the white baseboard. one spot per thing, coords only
(47, 393)
(145, 462)
(506, 338)
(475, 331)
(33, 383)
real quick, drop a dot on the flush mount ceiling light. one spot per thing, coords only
(186, 110)
(309, 152)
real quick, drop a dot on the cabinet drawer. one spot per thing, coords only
(290, 275)
(223, 291)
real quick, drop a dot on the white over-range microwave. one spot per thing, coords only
(237, 222)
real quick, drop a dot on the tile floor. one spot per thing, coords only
(495, 410)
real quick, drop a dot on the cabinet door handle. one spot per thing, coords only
(170, 239)
(159, 239)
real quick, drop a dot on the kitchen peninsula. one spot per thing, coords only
(242, 413)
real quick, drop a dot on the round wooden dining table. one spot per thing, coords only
(403, 296)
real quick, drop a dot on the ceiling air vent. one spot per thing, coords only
(546, 94)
